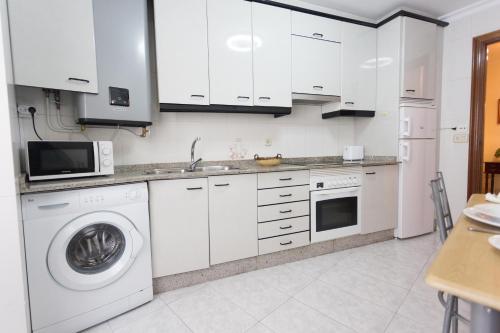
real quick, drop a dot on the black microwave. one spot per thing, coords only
(68, 159)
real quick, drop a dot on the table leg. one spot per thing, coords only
(486, 182)
(484, 319)
(493, 183)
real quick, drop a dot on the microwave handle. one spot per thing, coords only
(97, 162)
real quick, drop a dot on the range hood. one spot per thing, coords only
(299, 98)
(335, 109)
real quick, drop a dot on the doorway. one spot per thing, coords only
(485, 112)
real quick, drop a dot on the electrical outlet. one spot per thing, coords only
(268, 142)
(23, 111)
(460, 138)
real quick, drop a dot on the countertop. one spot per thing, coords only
(467, 266)
(137, 173)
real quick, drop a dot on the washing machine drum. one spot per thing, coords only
(93, 250)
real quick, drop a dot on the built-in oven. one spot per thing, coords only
(335, 203)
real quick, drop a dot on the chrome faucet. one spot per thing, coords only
(194, 163)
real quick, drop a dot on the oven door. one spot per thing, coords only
(335, 213)
(61, 159)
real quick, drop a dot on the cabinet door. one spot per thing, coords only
(233, 217)
(182, 51)
(315, 66)
(359, 67)
(230, 52)
(379, 205)
(313, 26)
(418, 59)
(53, 44)
(272, 58)
(179, 225)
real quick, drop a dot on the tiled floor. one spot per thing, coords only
(376, 288)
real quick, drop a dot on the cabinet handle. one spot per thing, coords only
(285, 179)
(350, 103)
(287, 227)
(286, 243)
(318, 87)
(371, 173)
(220, 185)
(79, 80)
(318, 35)
(285, 195)
(243, 97)
(267, 98)
(285, 211)
(198, 96)
(410, 90)
(194, 188)
(54, 206)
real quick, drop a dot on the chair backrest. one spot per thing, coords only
(441, 206)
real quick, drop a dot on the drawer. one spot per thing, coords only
(285, 178)
(283, 211)
(284, 194)
(283, 227)
(316, 27)
(281, 243)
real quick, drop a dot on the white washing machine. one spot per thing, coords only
(88, 255)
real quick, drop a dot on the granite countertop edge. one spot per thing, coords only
(136, 173)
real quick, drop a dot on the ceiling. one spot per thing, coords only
(377, 9)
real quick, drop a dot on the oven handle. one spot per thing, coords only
(335, 192)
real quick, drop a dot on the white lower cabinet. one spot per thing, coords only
(285, 242)
(283, 227)
(233, 216)
(179, 225)
(380, 198)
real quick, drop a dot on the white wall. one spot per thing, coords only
(456, 92)
(13, 291)
(303, 133)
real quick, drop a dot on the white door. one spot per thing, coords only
(315, 66)
(233, 217)
(93, 250)
(182, 51)
(53, 44)
(417, 123)
(272, 59)
(230, 52)
(359, 67)
(313, 26)
(418, 72)
(179, 225)
(417, 169)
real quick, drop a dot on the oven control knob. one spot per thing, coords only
(106, 151)
(106, 163)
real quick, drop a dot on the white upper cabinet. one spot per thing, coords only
(230, 52)
(272, 61)
(233, 217)
(182, 51)
(315, 66)
(359, 68)
(318, 27)
(419, 41)
(53, 44)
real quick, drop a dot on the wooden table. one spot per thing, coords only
(491, 168)
(467, 266)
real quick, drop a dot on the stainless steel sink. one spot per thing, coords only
(209, 168)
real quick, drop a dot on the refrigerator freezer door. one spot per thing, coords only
(417, 123)
(417, 168)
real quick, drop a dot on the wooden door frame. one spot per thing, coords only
(478, 97)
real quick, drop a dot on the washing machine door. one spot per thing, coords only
(93, 250)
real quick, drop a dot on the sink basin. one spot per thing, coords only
(216, 168)
(209, 168)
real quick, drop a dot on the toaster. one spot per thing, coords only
(353, 153)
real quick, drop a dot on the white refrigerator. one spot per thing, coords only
(417, 154)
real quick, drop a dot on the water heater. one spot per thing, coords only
(123, 66)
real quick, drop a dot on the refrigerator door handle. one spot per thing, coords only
(406, 127)
(405, 156)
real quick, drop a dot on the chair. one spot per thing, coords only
(445, 225)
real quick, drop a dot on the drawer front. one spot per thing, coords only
(282, 195)
(283, 227)
(285, 178)
(316, 27)
(281, 243)
(283, 211)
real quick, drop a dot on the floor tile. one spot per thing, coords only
(425, 310)
(284, 278)
(102, 328)
(401, 324)
(371, 289)
(125, 319)
(251, 292)
(295, 317)
(350, 310)
(207, 311)
(162, 321)
(318, 265)
(173, 295)
(259, 328)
